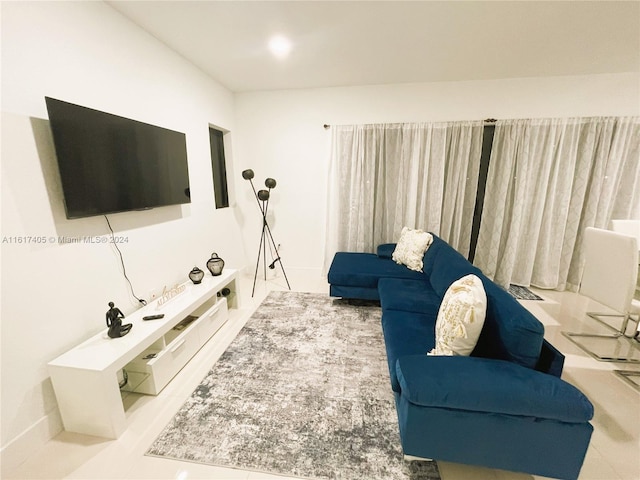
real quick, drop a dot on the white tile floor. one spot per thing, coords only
(614, 453)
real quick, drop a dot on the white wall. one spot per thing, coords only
(280, 134)
(55, 295)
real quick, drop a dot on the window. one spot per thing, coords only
(218, 167)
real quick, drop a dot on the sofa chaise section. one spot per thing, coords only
(356, 275)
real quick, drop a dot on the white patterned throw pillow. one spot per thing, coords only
(461, 317)
(411, 247)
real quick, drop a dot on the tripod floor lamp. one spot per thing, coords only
(262, 197)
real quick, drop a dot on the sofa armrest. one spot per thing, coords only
(490, 386)
(385, 250)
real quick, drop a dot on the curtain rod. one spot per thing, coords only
(326, 126)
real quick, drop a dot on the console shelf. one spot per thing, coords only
(85, 378)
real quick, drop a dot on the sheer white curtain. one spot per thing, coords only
(386, 176)
(548, 180)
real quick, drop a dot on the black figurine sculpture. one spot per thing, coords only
(262, 197)
(114, 322)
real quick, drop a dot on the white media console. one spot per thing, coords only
(85, 378)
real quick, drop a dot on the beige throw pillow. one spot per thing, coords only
(411, 247)
(461, 317)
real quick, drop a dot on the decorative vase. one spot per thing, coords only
(196, 275)
(215, 264)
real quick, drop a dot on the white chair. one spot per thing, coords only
(632, 228)
(627, 227)
(609, 277)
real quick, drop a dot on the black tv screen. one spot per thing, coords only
(114, 164)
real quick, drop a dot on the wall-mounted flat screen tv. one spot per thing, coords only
(112, 164)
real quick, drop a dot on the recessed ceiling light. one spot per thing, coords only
(280, 46)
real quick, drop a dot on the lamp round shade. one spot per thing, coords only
(270, 183)
(247, 174)
(263, 195)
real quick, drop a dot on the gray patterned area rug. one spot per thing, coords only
(302, 391)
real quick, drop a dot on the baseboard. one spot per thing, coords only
(31, 440)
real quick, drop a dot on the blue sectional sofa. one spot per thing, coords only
(505, 406)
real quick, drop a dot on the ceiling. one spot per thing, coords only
(342, 43)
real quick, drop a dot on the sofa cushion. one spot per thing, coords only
(364, 270)
(432, 253)
(407, 295)
(406, 333)
(460, 317)
(385, 250)
(490, 386)
(510, 331)
(411, 248)
(449, 266)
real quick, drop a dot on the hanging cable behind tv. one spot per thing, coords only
(124, 270)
